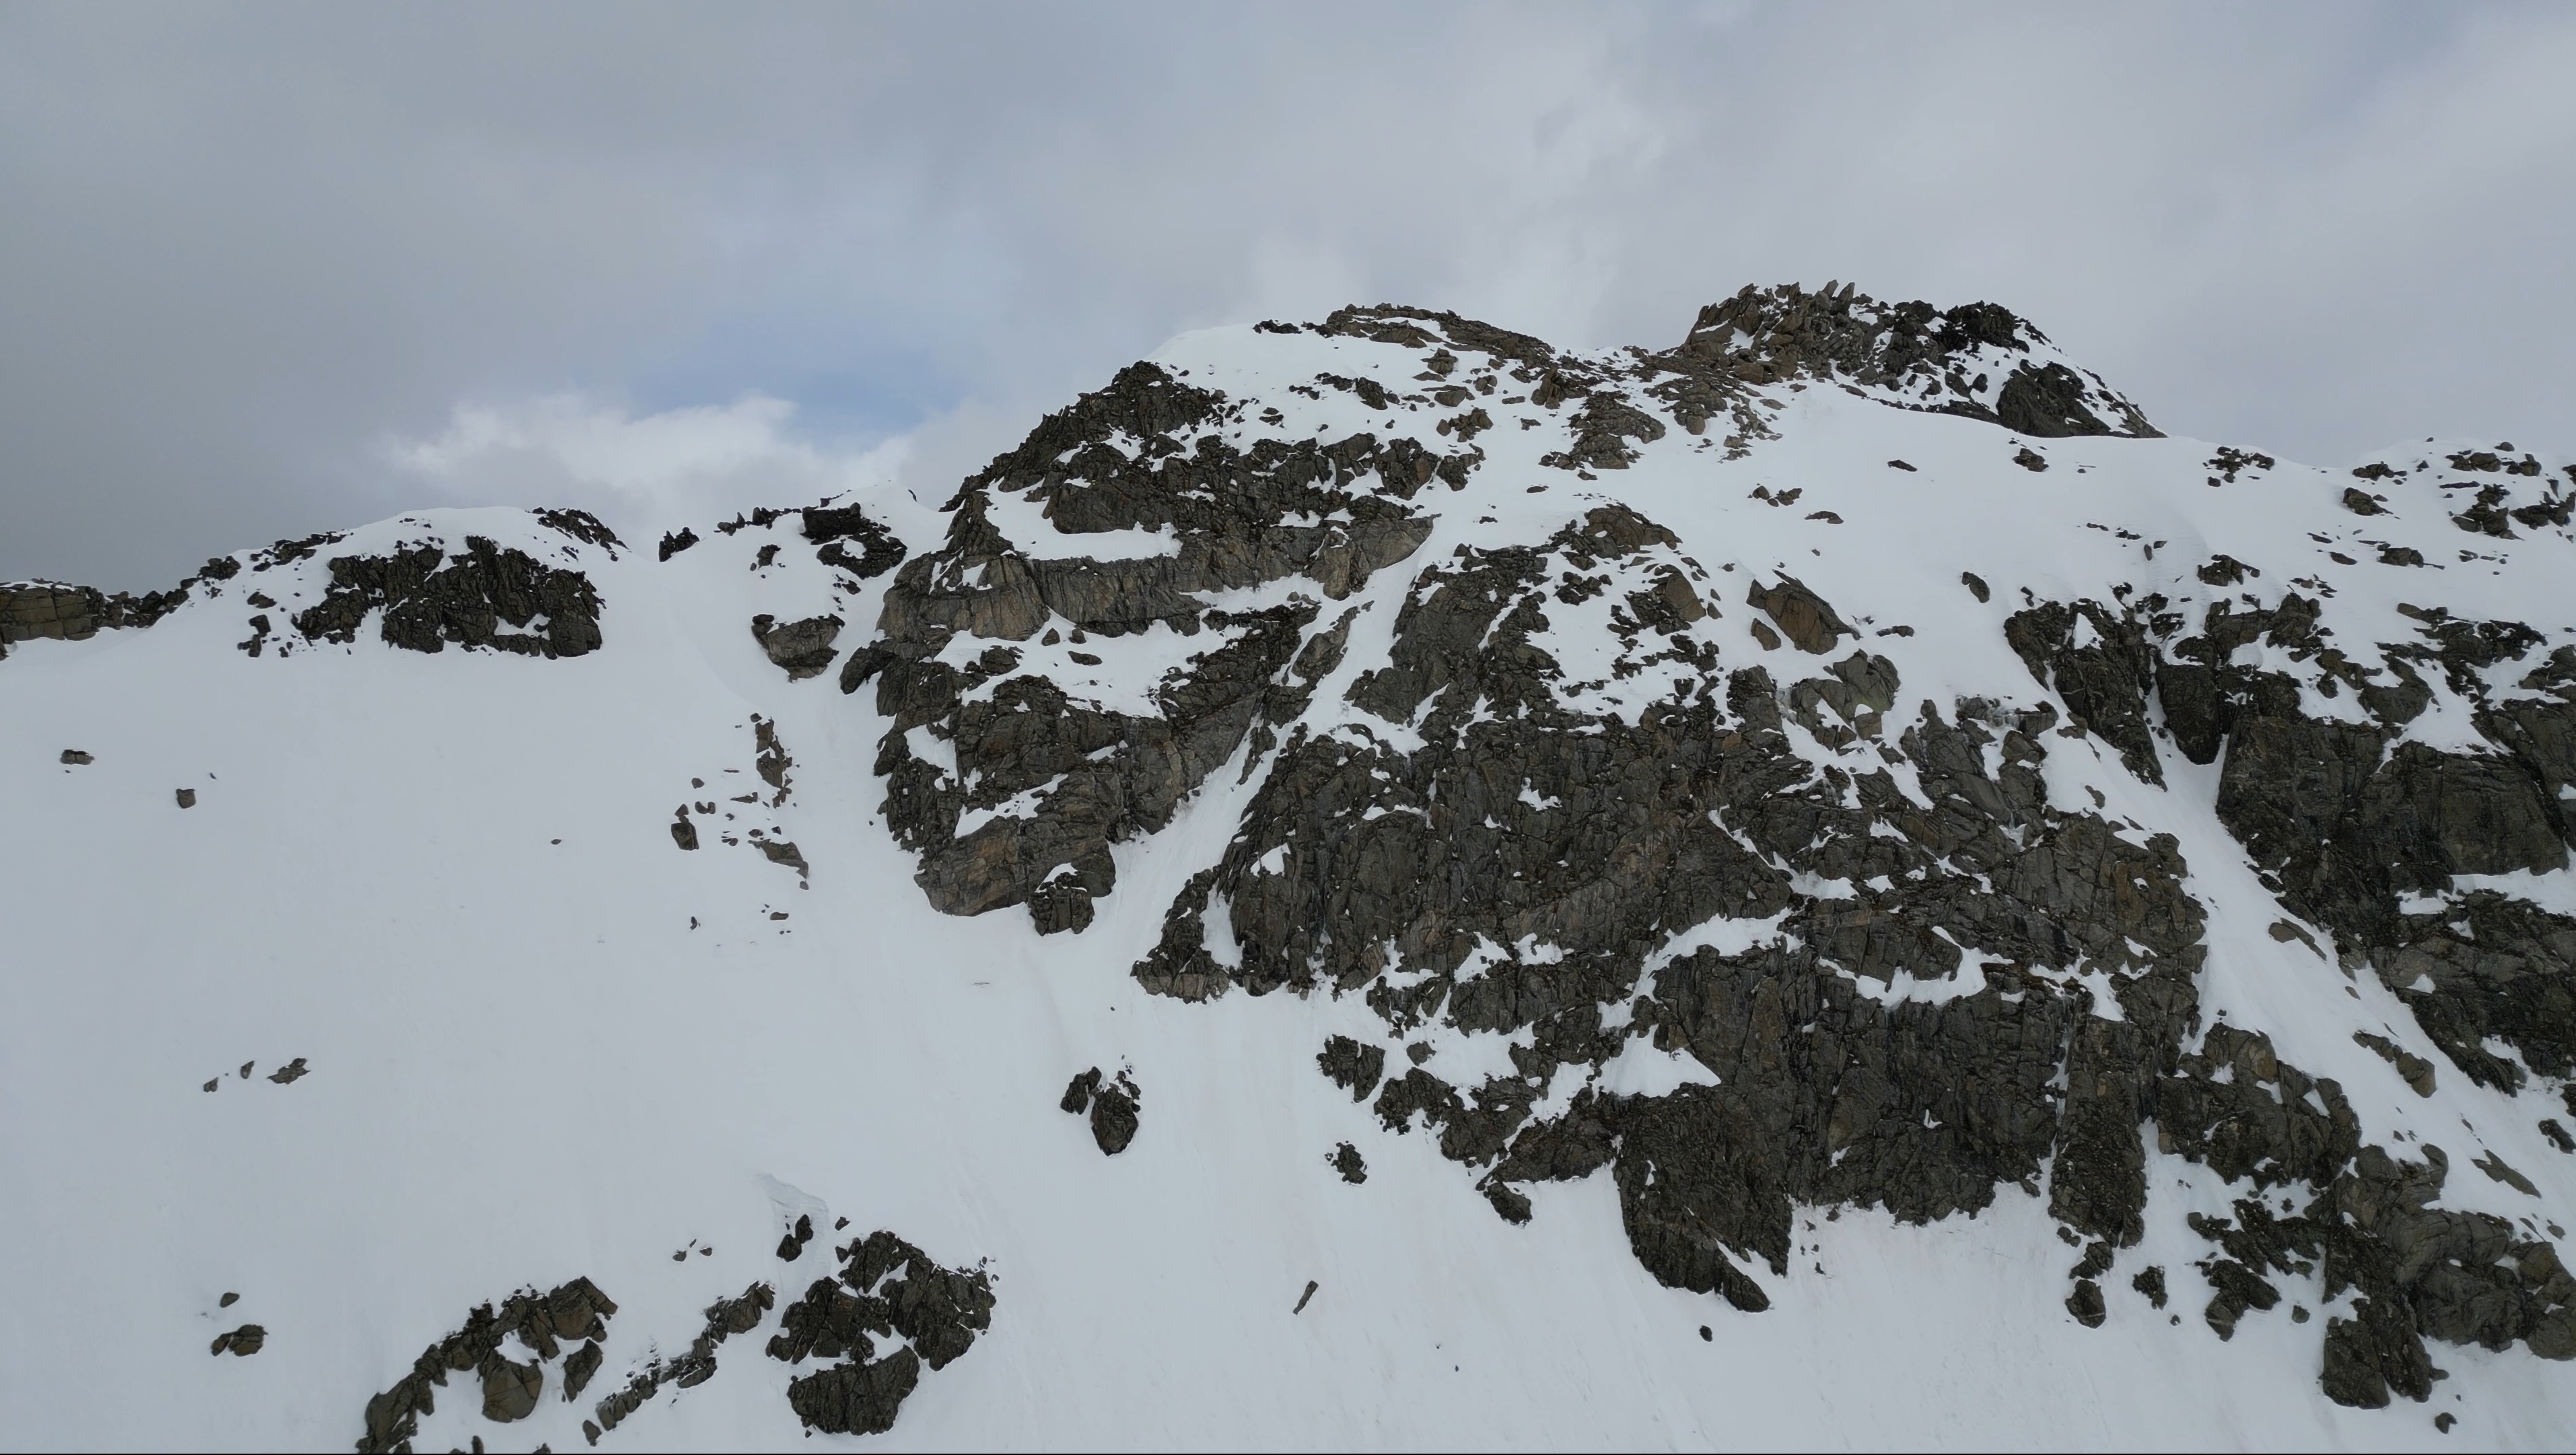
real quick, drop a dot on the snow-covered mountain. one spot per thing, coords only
(1826, 885)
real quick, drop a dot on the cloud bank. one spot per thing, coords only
(532, 247)
(644, 473)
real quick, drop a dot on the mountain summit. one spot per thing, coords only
(1637, 877)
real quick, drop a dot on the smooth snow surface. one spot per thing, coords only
(448, 882)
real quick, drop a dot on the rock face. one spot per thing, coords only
(1526, 820)
(2351, 821)
(1522, 811)
(1046, 777)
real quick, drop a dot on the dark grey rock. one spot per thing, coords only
(51, 610)
(887, 1290)
(575, 1310)
(856, 1398)
(2104, 682)
(1352, 1065)
(2229, 461)
(783, 852)
(1114, 1117)
(834, 528)
(1804, 618)
(510, 1388)
(1079, 1091)
(579, 1368)
(1113, 1106)
(242, 1342)
(791, 1244)
(428, 599)
(802, 648)
(2086, 1303)
(1911, 352)
(2417, 1071)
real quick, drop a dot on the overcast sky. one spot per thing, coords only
(272, 270)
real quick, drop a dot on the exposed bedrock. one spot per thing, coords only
(1894, 970)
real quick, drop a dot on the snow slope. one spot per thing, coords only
(543, 1043)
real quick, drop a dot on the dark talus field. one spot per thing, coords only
(1371, 882)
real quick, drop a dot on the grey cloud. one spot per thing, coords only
(247, 247)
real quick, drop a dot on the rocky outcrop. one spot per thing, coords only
(1112, 1106)
(725, 1318)
(835, 529)
(801, 648)
(247, 1340)
(1977, 360)
(542, 1325)
(486, 596)
(50, 610)
(791, 1244)
(1802, 615)
(891, 1311)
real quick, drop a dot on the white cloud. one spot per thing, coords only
(2304, 227)
(640, 472)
